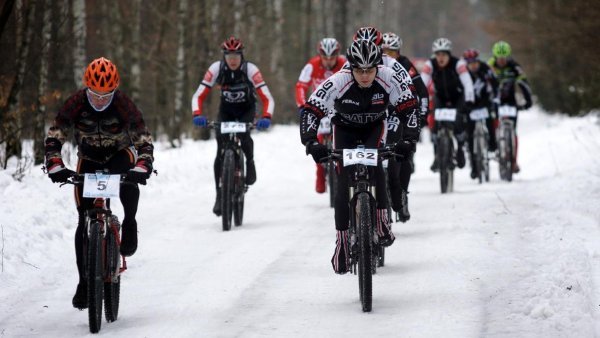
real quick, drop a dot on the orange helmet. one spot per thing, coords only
(101, 75)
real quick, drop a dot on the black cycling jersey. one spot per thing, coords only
(420, 88)
(508, 76)
(237, 92)
(356, 107)
(485, 85)
(448, 87)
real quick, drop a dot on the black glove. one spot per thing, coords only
(141, 172)
(57, 171)
(317, 150)
(404, 148)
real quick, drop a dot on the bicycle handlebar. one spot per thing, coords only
(77, 179)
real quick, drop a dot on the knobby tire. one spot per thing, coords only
(364, 225)
(95, 278)
(227, 181)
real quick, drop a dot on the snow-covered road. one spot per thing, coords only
(493, 260)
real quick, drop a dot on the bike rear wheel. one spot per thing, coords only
(227, 181)
(95, 278)
(364, 225)
(240, 191)
(112, 284)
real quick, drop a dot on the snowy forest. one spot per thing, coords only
(163, 47)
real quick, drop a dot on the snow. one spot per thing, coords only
(518, 259)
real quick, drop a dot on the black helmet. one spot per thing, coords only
(363, 54)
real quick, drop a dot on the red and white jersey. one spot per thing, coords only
(254, 76)
(312, 75)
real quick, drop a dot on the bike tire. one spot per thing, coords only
(364, 224)
(380, 256)
(227, 181)
(112, 284)
(240, 191)
(95, 278)
(509, 153)
(332, 178)
(478, 152)
(445, 157)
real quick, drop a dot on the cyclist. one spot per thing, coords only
(509, 74)
(110, 133)
(317, 70)
(357, 101)
(485, 86)
(400, 171)
(238, 80)
(453, 89)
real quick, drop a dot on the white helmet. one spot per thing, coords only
(329, 47)
(441, 45)
(391, 41)
(364, 54)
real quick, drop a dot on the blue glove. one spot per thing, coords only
(263, 123)
(200, 121)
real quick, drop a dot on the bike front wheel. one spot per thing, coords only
(364, 224)
(112, 284)
(240, 191)
(227, 195)
(95, 278)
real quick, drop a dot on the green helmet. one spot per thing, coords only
(501, 49)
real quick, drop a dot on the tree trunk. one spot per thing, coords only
(136, 76)
(180, 75)
(40, 119)
(10, 114)
(5, 14)
(79, 35)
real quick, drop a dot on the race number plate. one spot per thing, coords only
(100, 185)
(233, 127)
(479, 114)
(360, 156)
(445, 114)
(325, 126)
(507, 111)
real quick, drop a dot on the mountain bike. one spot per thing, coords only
(364, 242)
(233, 172)
(103, 261)
(481, 160)
(506, 141)
(444, 120)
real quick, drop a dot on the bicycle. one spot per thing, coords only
(103, 261)
(481, 160)
(444, 119)
(233, 172)
(506, 141)
(364, 242)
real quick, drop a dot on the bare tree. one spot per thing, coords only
(79, 37)
(40, 119)
(10, 115)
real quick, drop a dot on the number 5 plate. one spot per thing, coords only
(360, 156)
(233, 127)
(445, 114)
(104, 186)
